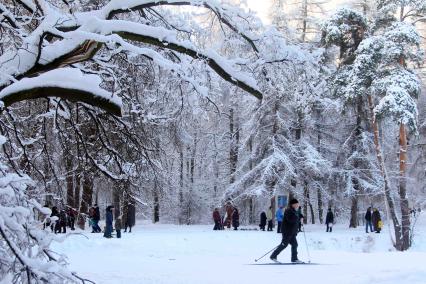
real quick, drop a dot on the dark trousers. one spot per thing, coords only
(108, 231)
(270, 225)
(95, 227)
(329, 228)
(368, 224)
(284, 243)
(279, 227)
(118, 233)
(125, 228)
(216, 225)
(262, 227)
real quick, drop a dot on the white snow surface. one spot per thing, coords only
(197, 254)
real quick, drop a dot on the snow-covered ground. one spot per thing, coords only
(196, 254)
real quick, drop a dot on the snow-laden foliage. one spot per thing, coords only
(25, 253)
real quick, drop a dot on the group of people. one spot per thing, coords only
(231, 217)
(128, 217)
(373, 220)
(267, 219)
(59, 220)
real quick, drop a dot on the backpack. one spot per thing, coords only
(380, 224)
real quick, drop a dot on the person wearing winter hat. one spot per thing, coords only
(289, 230)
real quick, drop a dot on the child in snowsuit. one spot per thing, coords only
(376, 219)
(217, 219)
(235, 219)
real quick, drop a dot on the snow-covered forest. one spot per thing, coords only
(178, 107)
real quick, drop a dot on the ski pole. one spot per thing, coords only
(256, 260)
(306, 243)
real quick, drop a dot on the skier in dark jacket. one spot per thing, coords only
(368, 220)
(262, 221)
(217, 220)
(61, 224)
(235, 219)
(329, 220)
(130, 217)
(375, 219)
(289, 230)
(109, 219)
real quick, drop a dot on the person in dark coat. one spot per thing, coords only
(235, 219)
(130, 217)
(71, 214)
(368, 220)
(329, 220)
(262, 221)
(54, 219)
(375, 219)
(96, 218)
(61, 225)
(117, 226)
(217, 219)
(109, 217)
(289, 230)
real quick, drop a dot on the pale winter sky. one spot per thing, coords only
(262, 7)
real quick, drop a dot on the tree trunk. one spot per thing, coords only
(234, 141)
(86, 198)
(181, 209)
(320, 207)
(156, 204)
(390, 206)
(405, 212)
(69, 180)
(353, 223)
(305, 204)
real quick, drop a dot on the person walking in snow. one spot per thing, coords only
(235, 219)
(96, 219)
(108, 221)
(329, 220)
(289, 230)
(262, 221)
(130, 217)
(117, 227)
(368, 220)
(269, 218)
(279, 215)
(376, 219)
(217, 219)
(54, 219)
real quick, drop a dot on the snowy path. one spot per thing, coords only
(196, 254)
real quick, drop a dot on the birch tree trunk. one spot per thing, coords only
(405, 211)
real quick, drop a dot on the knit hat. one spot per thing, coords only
(293, 201)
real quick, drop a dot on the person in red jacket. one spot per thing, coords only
(217, 219)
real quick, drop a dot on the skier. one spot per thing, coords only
(269, 218)
(368, 220)
(109, 219)
(376, 220)
(235, 219)
(289, 231)
(262, 221)
(130, 217)
(216, 219)
(329, 219)
(279, 215)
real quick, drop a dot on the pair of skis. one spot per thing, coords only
(286, 263)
